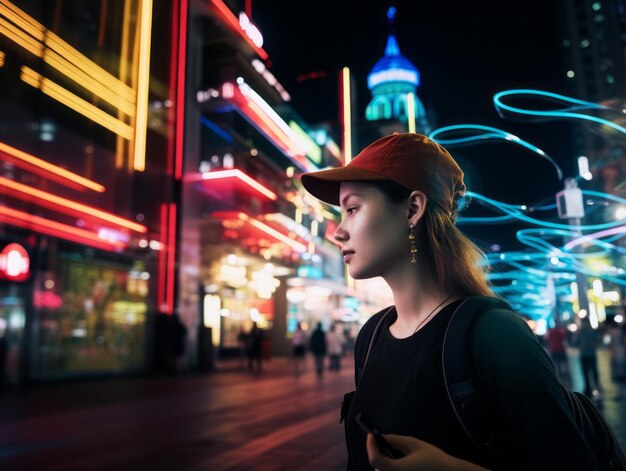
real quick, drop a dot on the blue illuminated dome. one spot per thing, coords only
(393, 67)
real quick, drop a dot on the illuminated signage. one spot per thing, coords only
(312, 150)
(250, 29)
(269, 77)
(14, 263)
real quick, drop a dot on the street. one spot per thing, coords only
(227, 420)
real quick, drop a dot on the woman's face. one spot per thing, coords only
(373, 232)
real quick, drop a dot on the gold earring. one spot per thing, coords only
(412, 242)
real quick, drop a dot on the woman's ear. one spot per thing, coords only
(417, 206)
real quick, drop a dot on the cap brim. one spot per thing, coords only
(325, 184)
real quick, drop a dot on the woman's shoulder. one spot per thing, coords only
(367, 330)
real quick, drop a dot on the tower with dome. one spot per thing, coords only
(393, 82)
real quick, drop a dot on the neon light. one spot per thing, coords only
(1, 58)
(392, 75)
(346, 115)
(216, 129)
(270, 79)
(171, 258)
(143, 79)
(47, 170)
(180, 90)
(297, 246)
(255, 110)
(14, 263)
(55, 229)
(233, 23)
(43, 37)
(76, 103)
(590, 237)
(313, 151)
(410, 106)
(480, 133)
(162, 282)
(63, 205)
(236, 173)
(250, 29)
(561, 113)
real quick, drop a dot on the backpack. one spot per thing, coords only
(464, 395)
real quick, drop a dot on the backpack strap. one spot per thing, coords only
(361, 366)
(458, 368)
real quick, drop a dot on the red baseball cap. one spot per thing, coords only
(412, 160)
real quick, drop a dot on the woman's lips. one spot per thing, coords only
(347, 256)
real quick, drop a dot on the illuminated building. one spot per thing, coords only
(250, 238)
(593, 45)
(88, 149)
(393, 82)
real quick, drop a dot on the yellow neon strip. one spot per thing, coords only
(143, 78)
(120, 144)
(64, 202)
(347, 117)
(76, 103)
(31, 159)
(21, 38)
(410, 107)
(1, 58)
(86, 81)
(51, 40)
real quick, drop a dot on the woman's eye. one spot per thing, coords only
(350, 210)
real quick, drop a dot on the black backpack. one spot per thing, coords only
(464, 395)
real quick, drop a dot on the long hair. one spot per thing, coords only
(455, 261)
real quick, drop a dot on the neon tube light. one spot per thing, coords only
(162, 282)
(180, 90)
(1, 58)
(233, 23)
(143, 78)
(76, 103)
(410, 107)
(297, 246)
(28, 193)
(54, 42)
(479, 133)
(47, 170)
(589, 237)
(171, 257)
(56, 229)
(346, 114)
(66, 60)
(236, 173)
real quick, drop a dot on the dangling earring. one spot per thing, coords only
(412, 242)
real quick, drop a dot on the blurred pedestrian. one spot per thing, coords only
(556, 340)
(336, 342)
(242, 342)
(319, 348)
(399, 199)
(255, 348)
(298, 347)
(588, 341)
(617, 333)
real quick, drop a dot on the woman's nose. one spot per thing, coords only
(340, 234)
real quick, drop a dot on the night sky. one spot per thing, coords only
(465, 52)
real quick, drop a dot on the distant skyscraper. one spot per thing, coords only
(393, 82)
(594, 41)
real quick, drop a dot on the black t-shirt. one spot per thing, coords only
(402, 391)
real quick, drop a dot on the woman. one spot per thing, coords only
(400, 198)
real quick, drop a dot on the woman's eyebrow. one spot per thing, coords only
(347, 197)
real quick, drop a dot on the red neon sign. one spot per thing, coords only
(14, 263)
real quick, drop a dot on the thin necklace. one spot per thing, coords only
(431, 313)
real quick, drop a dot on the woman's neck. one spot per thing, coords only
(416, 294)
